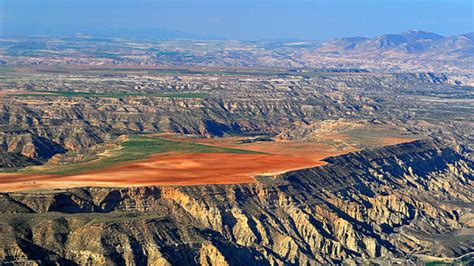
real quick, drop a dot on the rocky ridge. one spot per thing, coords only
(383, 205)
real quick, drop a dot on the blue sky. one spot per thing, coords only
(233, 19)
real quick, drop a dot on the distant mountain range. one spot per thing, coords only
(407, 51)
(411, 51)
(406, 42)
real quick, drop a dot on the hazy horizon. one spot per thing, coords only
(240, 20)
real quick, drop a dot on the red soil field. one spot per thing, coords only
(189, 168)
(176, 169)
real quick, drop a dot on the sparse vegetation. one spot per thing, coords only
(135, 148)
(108, 94)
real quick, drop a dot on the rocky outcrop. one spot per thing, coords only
(384, 205)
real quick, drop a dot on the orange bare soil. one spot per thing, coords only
(187, 168)
(177, 169)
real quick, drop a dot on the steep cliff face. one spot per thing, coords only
(381, 205)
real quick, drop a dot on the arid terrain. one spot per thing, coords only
(115, 151)
(410, 51)
(264, 158)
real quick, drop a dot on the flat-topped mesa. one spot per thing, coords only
(372, 205)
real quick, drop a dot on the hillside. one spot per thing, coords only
(407, 51)
(408, 202)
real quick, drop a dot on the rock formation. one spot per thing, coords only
(384, 205)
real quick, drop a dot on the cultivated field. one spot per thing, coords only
(171, 159)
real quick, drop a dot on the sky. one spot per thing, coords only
(233, 19)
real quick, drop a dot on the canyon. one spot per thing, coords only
(196, 152)
(386, 205)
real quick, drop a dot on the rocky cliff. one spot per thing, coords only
(385, 205)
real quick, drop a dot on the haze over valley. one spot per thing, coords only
(167, 148)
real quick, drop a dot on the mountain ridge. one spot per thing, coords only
(409, 41)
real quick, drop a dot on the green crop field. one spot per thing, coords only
(135, 148)
(6, 69)
(109, 94)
